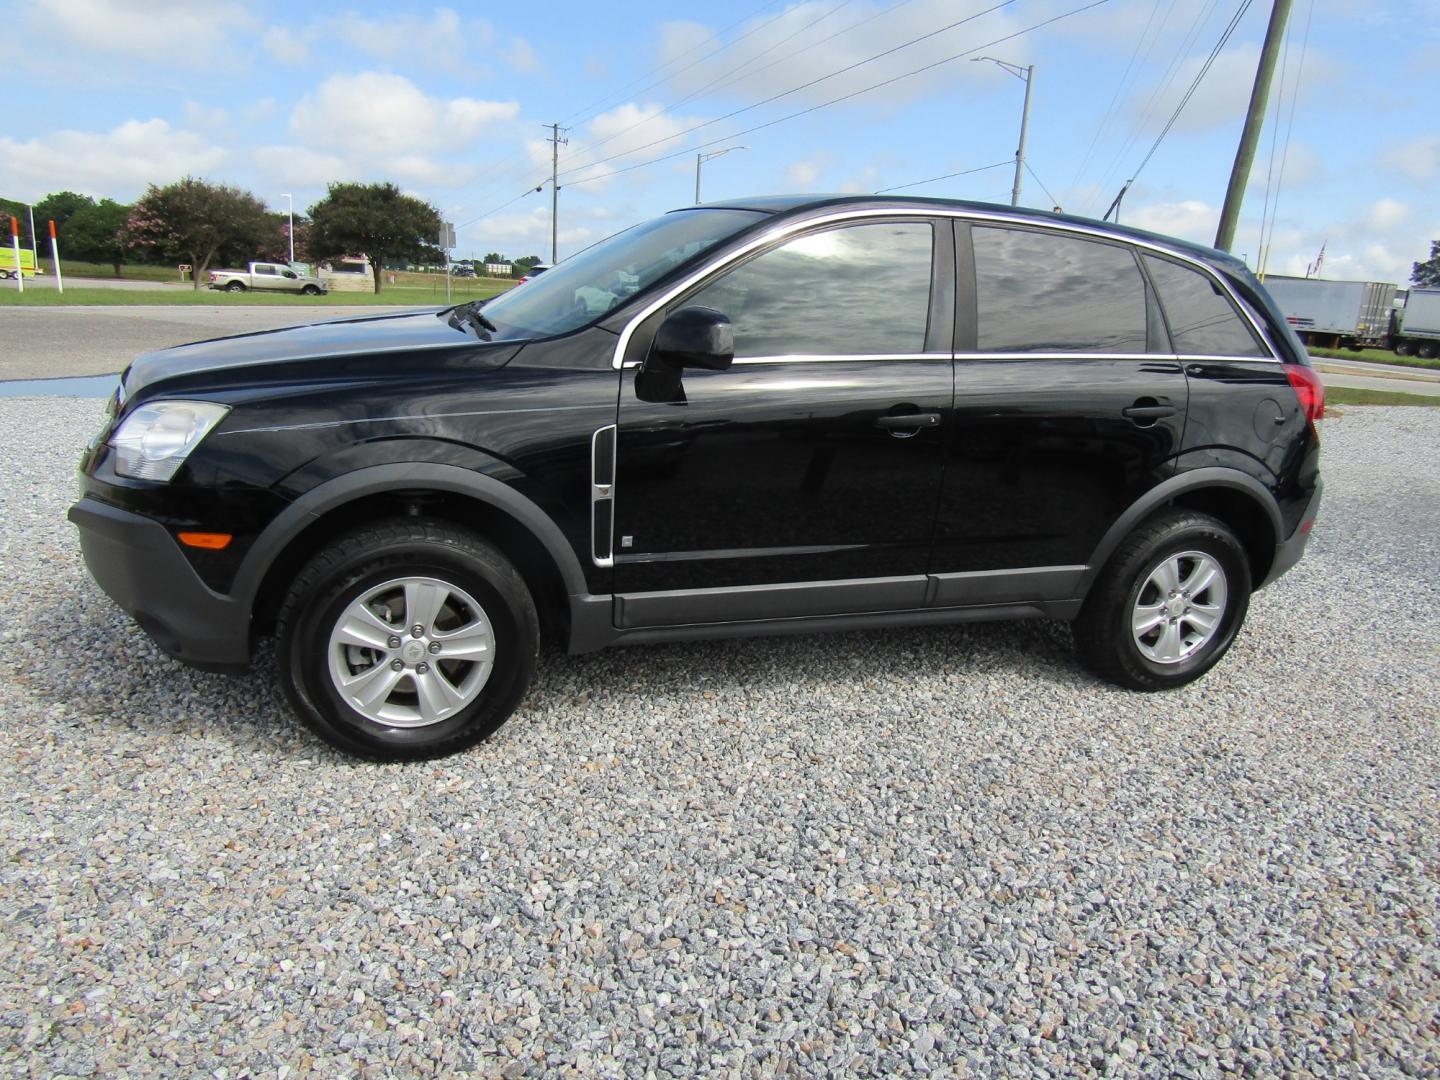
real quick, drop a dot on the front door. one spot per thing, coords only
(1069, 404)
(803, 480)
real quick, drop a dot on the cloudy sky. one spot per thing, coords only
(106, 96)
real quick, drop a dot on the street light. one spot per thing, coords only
(700, 159)
(1027, 75)
(291, 202)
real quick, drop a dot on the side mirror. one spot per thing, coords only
(694, 337)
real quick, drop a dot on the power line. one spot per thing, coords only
(1185, 100)
(947, 176)
(1120, 86)
(733, 75)
(1285, 152)
(602, 103)
(1161, 92)
(502, 171)
(1053, 201)
(846, 97)
(804, 86)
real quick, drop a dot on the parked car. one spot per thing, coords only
(784, 415)
(276, 277)
(534, 272)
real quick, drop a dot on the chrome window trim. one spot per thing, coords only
(781, 231)
(834, 358)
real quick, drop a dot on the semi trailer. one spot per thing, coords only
(1360, 314)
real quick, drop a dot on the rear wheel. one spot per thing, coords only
(1403, 348)
(1426, 350)
(1167, 605)
(235, 286)
(408, 639)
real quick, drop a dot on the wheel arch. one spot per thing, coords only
(520, 528)
(1237, 499)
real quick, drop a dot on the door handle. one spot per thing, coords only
(909, 420)
(1148, 412)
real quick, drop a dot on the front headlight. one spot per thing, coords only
(154, 441)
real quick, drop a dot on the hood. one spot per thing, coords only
(410, 331)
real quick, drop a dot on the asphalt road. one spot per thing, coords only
(62, 342)
(46, 281)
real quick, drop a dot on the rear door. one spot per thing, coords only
(803, 480)
(1068, 406)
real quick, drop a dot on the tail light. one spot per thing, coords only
(1309, 389)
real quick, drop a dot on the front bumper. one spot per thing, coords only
(141, 567)
(1288, 552)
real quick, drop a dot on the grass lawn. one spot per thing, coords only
(1344, 395)
(1375, 356)
(403, 295)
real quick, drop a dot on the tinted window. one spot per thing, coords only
(1038, 292)
(260, 269)
(859, 289)
(1203, 321)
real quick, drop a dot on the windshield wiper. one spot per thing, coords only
(469, 314)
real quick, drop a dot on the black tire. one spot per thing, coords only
(1103, 634)
(311, 290)
(235, 286)
(1426, 350)
(1404, 348)
(359, 561)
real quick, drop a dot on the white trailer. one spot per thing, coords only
(1336, 314)
(1418, 330)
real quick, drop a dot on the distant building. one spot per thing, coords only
(500, 269)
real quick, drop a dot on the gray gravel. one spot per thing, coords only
(937, 851)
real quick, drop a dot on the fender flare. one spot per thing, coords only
(399, 476)
(1193, 480)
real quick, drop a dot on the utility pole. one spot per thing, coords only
(290, 201)
(1027, 75)
(1254, 121)
(34, 251)
(555, 141)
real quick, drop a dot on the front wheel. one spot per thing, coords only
(1167, 605)
(311, 290)
(406, 640)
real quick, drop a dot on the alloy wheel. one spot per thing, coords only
(1180, 607)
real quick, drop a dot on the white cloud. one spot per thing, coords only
(285, 45)
(521, 57)
(1189, 219)
(445, 39)
(386, 115)
(624, 134)
(769, 55)
(1387, 213)
(801, 175)
(299, 167)
(1418, 158)
(118, 163)
(177, 32)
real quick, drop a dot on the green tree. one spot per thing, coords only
(97, 233)
(59, 207)
(1427, 273)
(377, 221)
(198, 221)
(495, 257)
(521, 266)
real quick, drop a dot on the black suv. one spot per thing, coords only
(777, 415)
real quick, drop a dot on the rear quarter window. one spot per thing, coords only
(1203, 321)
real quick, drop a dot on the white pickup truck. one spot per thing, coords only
(262, 275)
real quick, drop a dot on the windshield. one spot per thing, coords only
(586, 286)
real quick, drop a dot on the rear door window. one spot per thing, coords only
(1202, 319)
(1040, 292)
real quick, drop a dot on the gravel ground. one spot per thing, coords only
(939, 851)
